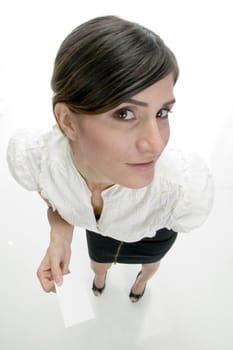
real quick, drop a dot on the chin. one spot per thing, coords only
(138, 184)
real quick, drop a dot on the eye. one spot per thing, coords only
(124, 114)
(163, 113)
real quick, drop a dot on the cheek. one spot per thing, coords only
(104, 145)
(98, 146)
(168, 135)
(165, 133)
(113, 150)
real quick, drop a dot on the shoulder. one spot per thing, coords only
(196, 188)
(25, 153)
(182, 167)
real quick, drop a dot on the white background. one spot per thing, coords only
(188, 304)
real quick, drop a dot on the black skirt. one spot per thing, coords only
(148, 250)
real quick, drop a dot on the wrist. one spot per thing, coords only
(64, 234)
(60, 229)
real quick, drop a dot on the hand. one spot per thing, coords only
(54, 265)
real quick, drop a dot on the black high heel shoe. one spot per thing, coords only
(137, 297)
(98, 291)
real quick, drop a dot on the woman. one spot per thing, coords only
(104, 166)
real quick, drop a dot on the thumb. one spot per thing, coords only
(65, 268)
(56, 271)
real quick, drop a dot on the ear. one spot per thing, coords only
(66, 120)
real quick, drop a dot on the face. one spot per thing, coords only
(122, 145)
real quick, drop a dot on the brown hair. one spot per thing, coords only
(106, 60)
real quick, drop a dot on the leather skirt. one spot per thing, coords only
(148, 250)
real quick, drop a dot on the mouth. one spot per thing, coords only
(146, 165)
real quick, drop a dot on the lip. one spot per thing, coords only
(146, 165)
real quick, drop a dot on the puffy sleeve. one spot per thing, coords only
(196, 195)
(24, 158)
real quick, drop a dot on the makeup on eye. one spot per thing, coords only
(124, 114)
(164, 113)
(127, 114)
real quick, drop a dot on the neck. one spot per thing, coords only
(87, 175)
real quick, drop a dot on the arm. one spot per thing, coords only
(55, 264)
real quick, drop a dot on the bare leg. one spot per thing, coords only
(100, 270)
(148, 270)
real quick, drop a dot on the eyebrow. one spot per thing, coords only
(140, 103)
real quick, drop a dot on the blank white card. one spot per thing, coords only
(74, 301)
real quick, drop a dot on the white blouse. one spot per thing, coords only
(180, 197)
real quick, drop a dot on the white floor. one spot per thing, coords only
(187, 305)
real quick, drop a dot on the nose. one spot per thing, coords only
(152, 137)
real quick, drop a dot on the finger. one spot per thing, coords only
(46, 281)
(48, 286)
(56, 271)
(65, 269)
(66, 263)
